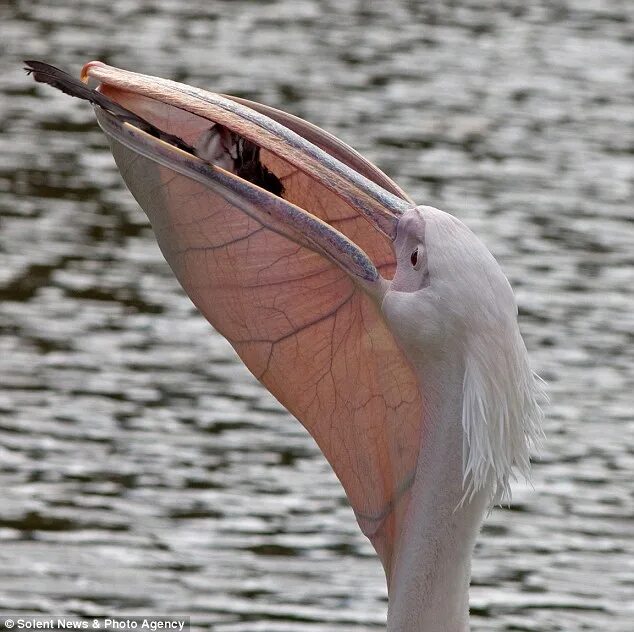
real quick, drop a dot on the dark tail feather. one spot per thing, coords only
(45, 73)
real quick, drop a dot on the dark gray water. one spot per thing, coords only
(143, 470)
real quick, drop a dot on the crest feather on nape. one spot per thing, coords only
(501, 412)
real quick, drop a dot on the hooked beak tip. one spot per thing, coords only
(85, 71)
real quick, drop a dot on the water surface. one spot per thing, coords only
(144, 470)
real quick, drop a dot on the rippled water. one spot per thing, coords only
(144, 470)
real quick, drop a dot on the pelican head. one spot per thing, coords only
(450, 305)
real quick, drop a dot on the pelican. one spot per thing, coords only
(386, 328)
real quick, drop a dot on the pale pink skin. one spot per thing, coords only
(320, 337)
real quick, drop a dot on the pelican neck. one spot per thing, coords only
(428, 582)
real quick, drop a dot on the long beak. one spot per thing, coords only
(380, 207)
(268, 209)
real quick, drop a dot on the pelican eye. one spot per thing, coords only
(414, 257)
